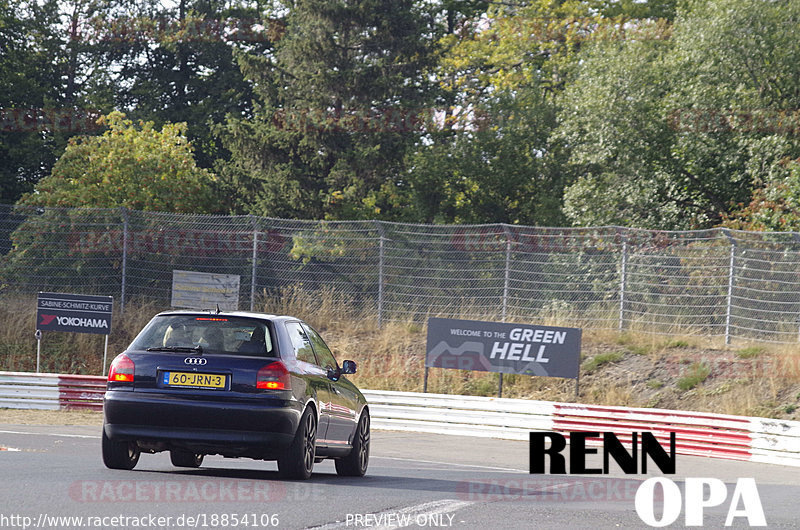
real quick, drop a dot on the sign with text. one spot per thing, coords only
(203, 290)
(76, 313)
(505, 348)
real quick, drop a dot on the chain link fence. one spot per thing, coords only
(719, 283)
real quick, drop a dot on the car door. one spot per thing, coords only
(316, 376)
(343, 406)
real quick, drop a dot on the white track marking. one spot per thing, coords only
(448, 464)
(60, 435)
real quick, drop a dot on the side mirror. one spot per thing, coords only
(349, 367)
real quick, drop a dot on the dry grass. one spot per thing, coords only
(71, 353)
(645, 371)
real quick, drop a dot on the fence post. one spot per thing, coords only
(380, 272)
(622, 280)
(255, 258)
(507, 279)
(729, 298)
(124, 212)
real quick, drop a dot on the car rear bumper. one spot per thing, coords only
(213, 438)
(154, 417)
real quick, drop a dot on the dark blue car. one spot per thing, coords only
(236, 384)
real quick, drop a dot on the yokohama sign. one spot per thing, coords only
(78, 313)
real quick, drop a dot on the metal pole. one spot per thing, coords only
(623, 277)
(500, 385)
(380, 280)
(505, 286)
(253, 276)
(38, 336)
(124, 258)
(425, 380)
(105, 356)
(730, 294)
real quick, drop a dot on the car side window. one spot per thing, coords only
(324, 354)
(302, 346)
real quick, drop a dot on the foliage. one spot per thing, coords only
(677, 343)
(496, 159)
(750, 352)
(655, 125)
(602, 358)
(175, 62)
(667, 114)
(136, 167)
(44, 81)
(695, 374)
(502, 170)
(325, 243)
(775, 206)
(331, 123)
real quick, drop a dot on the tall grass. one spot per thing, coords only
(71, 353)
(392, 356)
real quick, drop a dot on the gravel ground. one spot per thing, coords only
(50, 417)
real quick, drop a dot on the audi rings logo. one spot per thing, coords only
(195, 360)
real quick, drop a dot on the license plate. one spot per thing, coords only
(193, 379)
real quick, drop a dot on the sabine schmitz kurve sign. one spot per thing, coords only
(76, 313)
(505, 348)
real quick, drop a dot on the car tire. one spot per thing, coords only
(182, 458)
(356, 462)
(298, 460)
(119, 455)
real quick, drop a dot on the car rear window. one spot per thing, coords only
(207, 334)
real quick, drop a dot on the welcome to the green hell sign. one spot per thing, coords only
(505, 348)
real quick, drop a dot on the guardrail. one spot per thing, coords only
(22, 390)
(697, 433)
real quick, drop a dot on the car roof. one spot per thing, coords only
(245, 314)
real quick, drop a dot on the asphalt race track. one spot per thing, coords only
(52, 472)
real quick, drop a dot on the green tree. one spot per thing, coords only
(504, 74)
(499, 167)
(675, 134)
(332, 120)
(175, 62)
(45, 84)
(136, 167)
(773, 207)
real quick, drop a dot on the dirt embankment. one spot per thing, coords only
(674, 374)
(50, 417)
(635, 370)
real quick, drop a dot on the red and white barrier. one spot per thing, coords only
(22, 390)
(697, 433)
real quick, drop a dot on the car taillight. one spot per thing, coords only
(121, 370)
(274, 376)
